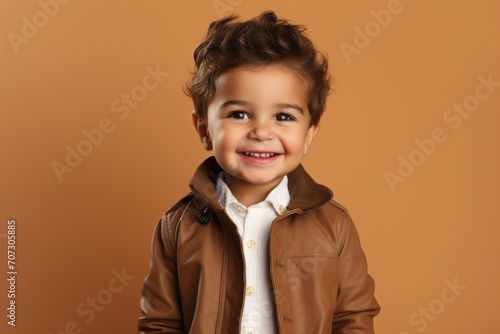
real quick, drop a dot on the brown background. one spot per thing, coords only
(439, 225)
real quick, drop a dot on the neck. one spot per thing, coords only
(249, 194)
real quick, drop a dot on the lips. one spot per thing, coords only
(259, 154)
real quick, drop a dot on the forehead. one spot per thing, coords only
(265, 83)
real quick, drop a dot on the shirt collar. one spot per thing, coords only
(278, 198)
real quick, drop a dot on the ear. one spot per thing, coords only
(201, 128)
(311, 133)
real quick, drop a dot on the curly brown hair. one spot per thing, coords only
(261, 41)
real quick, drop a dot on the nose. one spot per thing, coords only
(261, 131)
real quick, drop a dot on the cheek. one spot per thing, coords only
(294, 144)
(224, 140)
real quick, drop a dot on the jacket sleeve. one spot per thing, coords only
(356, 304)
(160, 301)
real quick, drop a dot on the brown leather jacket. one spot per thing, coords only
(196, 282)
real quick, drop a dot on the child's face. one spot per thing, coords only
(258, 124)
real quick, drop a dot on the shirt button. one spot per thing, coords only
(282, 209)
(250, 291)
(251, 244)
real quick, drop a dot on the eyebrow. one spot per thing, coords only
(278, 105)
(233, 102)
(290, 106)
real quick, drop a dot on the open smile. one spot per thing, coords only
(259, 155)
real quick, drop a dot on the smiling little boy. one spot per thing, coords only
(257, 246)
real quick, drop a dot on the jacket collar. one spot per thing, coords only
(305, 193)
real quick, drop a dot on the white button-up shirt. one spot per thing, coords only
(254, 227)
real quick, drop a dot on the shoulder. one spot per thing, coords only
(334, 205)
(188, 207)
(169, 221)
(332, 220)
(180, 205)
(331, 212)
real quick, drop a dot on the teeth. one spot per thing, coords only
(259, 155)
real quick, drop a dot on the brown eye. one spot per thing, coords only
(283, 117)
(238, 115)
